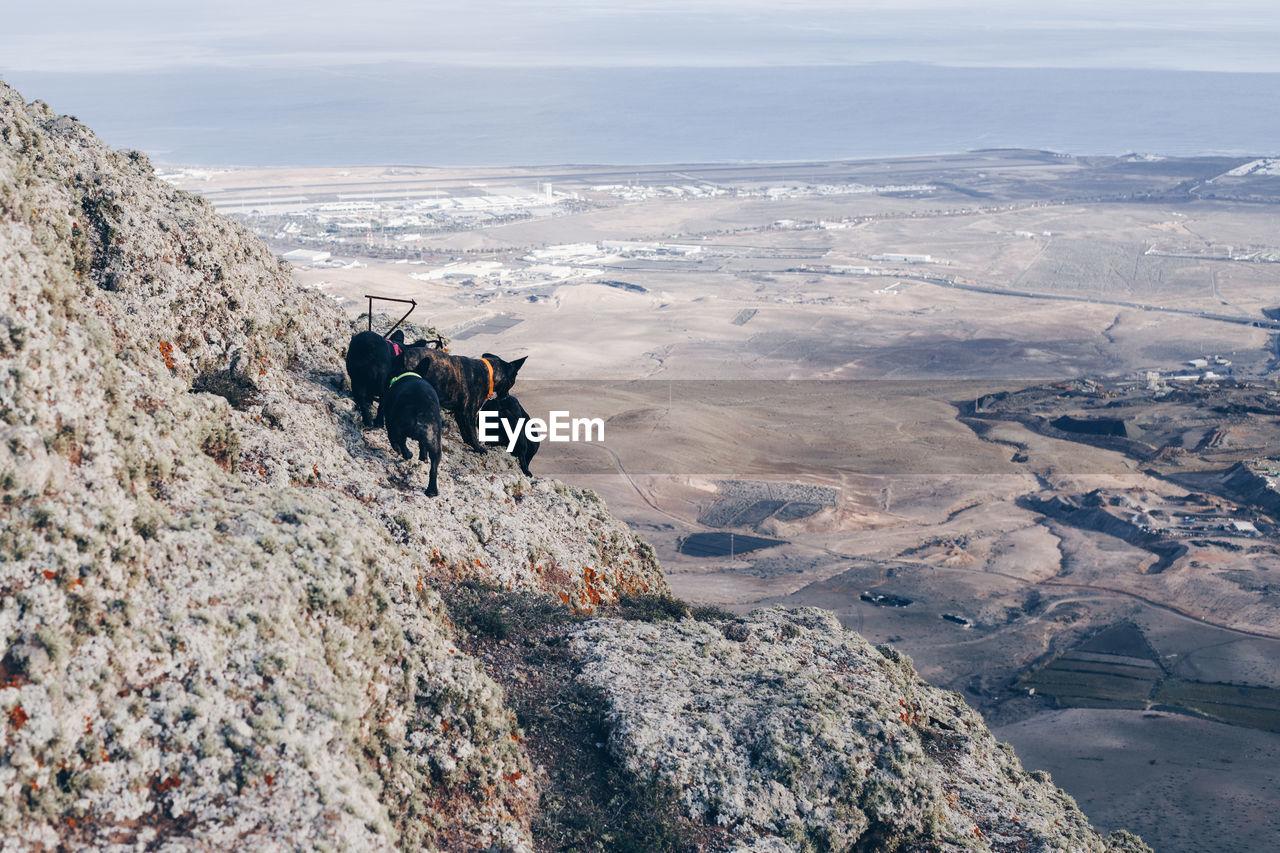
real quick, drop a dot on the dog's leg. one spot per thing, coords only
(364, 400)
(467, 420)
(431, 449)
(396, 439)
(523, 452)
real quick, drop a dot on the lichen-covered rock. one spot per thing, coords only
(799, 735)
(216, 615)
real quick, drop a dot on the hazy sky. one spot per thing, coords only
(137, 35)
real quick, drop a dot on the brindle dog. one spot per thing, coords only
(464, 384)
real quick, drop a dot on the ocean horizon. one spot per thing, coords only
(473, 116)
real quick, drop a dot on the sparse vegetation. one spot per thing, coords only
(591, 802)
(663, 607)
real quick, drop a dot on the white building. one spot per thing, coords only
(305, 256)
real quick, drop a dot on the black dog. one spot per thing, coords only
(412, 410)
(511, 420)
(371, 362)
(464, 384)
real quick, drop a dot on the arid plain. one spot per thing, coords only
(811, 357)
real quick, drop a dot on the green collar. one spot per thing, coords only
(401, 376)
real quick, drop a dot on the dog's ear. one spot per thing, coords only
(420, 342)
(397, 336)
(512, 366)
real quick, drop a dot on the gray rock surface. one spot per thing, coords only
(799, 735)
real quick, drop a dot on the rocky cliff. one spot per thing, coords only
(230, 618)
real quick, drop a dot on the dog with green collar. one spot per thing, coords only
(411, 410)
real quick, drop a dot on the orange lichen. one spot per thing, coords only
(166, 350)
(18, 717)
(595, 591)
(166, 784)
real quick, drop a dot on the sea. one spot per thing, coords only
(470, 116)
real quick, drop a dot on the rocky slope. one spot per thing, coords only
(218, 619)
(222, 619)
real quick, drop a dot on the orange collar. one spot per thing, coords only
(489, 367)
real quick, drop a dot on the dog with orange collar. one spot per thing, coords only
(464, 384)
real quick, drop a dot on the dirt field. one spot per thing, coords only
(1213, 791)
